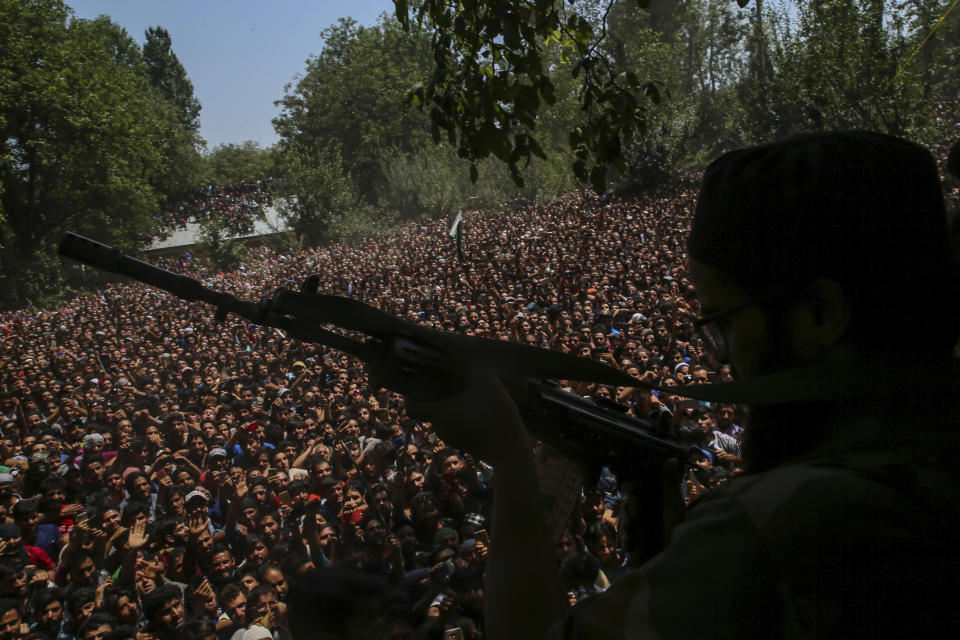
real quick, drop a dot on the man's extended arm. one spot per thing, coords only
(484, 420)
(515, 607)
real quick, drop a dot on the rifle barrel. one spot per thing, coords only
(107, 258)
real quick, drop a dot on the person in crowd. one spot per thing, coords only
(47, 606)
(164, 612)
(11, 625)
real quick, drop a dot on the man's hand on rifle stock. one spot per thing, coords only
(482, 419)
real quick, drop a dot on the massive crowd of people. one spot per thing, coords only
(167, 475)
(236, 206)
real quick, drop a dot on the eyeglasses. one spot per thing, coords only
(708, 328)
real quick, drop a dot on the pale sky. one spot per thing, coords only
(239, 54)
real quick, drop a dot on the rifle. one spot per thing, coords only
(413, 359)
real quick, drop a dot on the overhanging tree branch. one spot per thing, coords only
(490, 83)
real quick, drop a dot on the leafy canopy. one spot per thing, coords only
(491, 78)
(86, 142)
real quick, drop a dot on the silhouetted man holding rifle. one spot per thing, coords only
(823, 268)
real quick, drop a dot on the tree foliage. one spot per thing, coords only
(351, 95)
(169, 77)
(491, 76)
(217, 243)
(228, 163)
(355, 157)
(720, 73)
(86, 143)
(448, 105)
(621, 92)
(434, 182)
(843, 64)
(320, 200)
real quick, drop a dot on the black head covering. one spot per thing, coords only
(862, 208)
(822, 204)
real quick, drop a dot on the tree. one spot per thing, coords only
(838, 69)
(352, 96)
(168, 75)
(121, 47)
(85, 142)
(235, 162)
(932, 73)
(218, 243)
(320, 203)
(661, 44)
(434, 182)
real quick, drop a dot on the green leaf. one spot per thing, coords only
(537, 150)
(401, 10)
(598, 178)
(528, 100)
(651, 91)
(511, 34)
